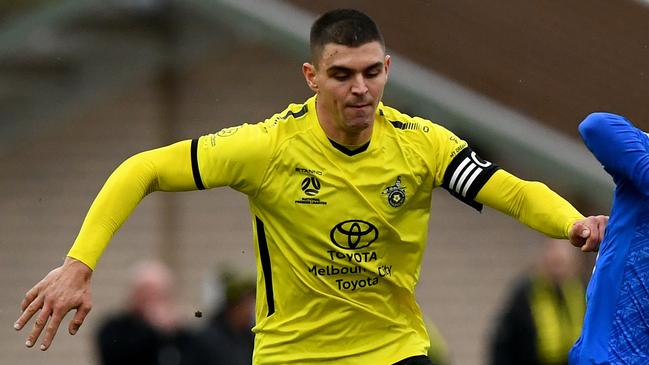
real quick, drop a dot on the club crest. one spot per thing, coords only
(395, 194)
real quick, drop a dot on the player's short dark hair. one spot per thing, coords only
(347, 27)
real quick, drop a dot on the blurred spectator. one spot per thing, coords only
(438, 350)
(229, 333)
(149, 331)
(544, 313)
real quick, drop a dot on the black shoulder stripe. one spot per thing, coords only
(402, 125)
(195, 171)
(297, 114)
(466, 175)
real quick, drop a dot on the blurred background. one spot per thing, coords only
(86, 84)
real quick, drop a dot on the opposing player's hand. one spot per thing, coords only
(62, 290)
(587, 233)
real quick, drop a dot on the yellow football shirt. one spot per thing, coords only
(339, 234)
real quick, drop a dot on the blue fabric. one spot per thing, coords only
(616, 324)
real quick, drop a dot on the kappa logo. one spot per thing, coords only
(311, 186)
(396, 194)
(353, 234)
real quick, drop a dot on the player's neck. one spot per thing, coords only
(349, 139)
(342, 134)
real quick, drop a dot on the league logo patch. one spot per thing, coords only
(396, 194)
(311, 186)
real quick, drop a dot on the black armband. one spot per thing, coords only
(466, 175)
(195, 170)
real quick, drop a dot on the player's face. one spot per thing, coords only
(349, 83)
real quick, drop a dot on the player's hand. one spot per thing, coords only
(587, 233)
(62, 290)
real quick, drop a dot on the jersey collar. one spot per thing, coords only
(371, 145)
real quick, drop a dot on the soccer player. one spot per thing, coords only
(339, 189)
(616, 326)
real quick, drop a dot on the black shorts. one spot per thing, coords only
(415, 360)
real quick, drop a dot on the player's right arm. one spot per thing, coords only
(237, 157)
(68, 287)
(163, 169)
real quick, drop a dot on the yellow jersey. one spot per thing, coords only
(340, 234)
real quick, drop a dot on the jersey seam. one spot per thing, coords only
(277, 149)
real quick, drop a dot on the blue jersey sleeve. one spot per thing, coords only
(619, 146)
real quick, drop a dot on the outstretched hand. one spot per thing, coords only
(587, 233)
(62, 290)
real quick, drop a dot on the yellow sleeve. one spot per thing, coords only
(165, 169)
(237, 157)
(530, 202)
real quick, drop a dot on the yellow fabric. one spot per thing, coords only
(557, 320)
(530, 202)
(165, 169)
(343, 235)
(332, 304)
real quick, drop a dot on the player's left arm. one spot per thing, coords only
(476, 181)
(537, 206)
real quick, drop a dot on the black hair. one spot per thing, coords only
(347, 27)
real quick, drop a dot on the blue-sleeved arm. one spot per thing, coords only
(619, 146)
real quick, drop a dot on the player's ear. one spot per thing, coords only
(309, 75)
(388, 61)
